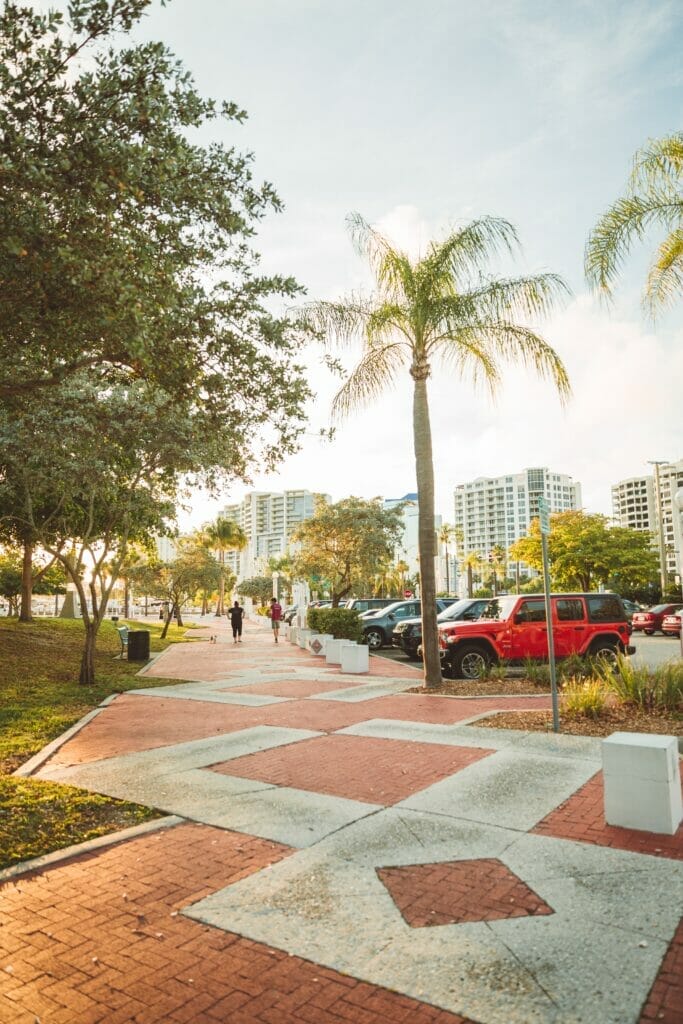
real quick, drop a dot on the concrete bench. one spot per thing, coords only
(642, 782)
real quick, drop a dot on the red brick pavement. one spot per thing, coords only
(665, 1001)
(466, 890)
(378, 771)
(582, 817)
(99, 940)
(294, 688)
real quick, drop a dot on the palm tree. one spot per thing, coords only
(224, 535)
(446, 534)
(654, 198)
(436, 305)
(473, 563)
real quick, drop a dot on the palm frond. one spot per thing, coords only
(629, 217)
(373, 374)
(659, 162)
(464, 353)
(342, 322)
(466, 251)
(392, 268)
(514, 343)
(503, 299)
(665, 280)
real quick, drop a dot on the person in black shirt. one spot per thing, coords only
(236, 615)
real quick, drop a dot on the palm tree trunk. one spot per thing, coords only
(448, 582)
(424, 472)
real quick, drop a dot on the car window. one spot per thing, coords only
(403, 611)
(531, 611)
(604, 608)
(569, 609)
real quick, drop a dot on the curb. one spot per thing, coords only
(35, 762)
(91, 845)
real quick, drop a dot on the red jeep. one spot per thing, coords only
(514, 628)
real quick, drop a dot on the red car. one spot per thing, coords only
(671, 624)
(651, 620)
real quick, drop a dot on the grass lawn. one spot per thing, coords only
(39, 699)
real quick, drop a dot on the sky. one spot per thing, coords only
(421, 117)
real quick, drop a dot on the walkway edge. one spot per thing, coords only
(48, 859)
(35, 762)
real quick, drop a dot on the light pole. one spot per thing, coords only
(678, 502)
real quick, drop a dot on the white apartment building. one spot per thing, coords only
(497, 511)
(636, 503)
(409, 548)
(268, 520)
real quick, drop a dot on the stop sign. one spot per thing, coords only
(407, 593)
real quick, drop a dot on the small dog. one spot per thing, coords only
(213, 638)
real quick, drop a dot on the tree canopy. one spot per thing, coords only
(585, 552)
(346, 542)
(125, 246)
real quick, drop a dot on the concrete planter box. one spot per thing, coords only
(317, 643)
(333, 650)
(284, 630)
(302, 638)
(355, 658)
(642, 782)
(293, 636)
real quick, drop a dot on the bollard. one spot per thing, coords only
(642, 782)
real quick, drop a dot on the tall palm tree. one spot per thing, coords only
(222, 536)
(473, 563)
(438, 305)
(446, 534)
(654, 197)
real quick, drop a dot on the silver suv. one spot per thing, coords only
(378, 626)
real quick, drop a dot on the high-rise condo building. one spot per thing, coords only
(268, 520)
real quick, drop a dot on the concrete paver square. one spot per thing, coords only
(291, 688)
(508, 788)
(355, 767)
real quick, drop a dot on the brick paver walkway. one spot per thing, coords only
(115, 935)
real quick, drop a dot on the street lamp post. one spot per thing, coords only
(678, 502)
(660, 524)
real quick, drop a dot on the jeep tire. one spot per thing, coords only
(470, 661)
(374, 638)
(604, 650)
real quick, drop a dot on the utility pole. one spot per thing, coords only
(660, 523)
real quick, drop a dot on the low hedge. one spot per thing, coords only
(342, 623)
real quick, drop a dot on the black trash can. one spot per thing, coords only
(138, 645)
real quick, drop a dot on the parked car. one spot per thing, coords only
(366, 604)
(408, 634)
(651, 619)
(379, 625)
(671, 624)
(514, 629)
(630, 607)
(289, 613)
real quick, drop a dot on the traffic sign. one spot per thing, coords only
(544, 516)
(407, 593)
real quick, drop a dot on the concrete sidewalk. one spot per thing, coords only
(337, 850)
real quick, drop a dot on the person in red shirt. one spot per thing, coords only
(275, 612)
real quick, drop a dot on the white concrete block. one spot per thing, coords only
(302, 637)
(642, 781)
(293, 635)
(333, 650)
(644, 805)
(284, 630)
(317, 642)
(355, 658)
(641, 756)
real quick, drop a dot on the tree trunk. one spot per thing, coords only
(424, 472)
(26, 583)
(126, 600)
(448, 582)
(179, 616)
(220, 607)
(167, 623)
(87, 673)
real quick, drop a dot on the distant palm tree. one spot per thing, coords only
(473, 564)
(224, 535)
(654, 198)
(437, 305)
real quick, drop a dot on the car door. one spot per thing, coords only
(529, 633)
(569, 625)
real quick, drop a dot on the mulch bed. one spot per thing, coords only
(616, 719)
(484, 688)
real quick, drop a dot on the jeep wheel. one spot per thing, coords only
(605, 651)
(470, 662)
(374, 638)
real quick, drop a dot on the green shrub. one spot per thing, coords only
(342, 623)
(586, 697)
(537, 672)
(657, 689)
(497, 672)
(574, 667)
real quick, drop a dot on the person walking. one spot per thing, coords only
(236, 614)
(275, 613)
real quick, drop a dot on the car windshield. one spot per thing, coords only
(500, 608)
(453, 610)
(658, 608)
